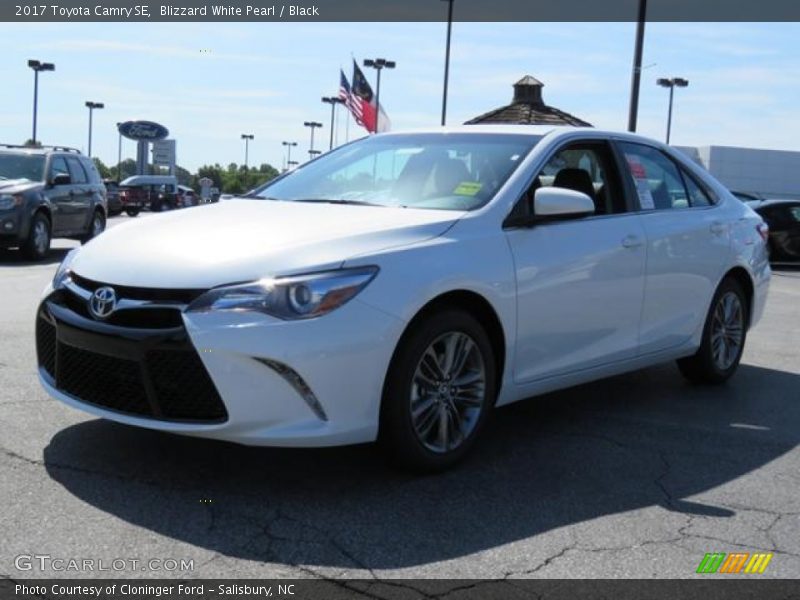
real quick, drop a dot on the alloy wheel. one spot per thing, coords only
(448, 391)
(727, 331)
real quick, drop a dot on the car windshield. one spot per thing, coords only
(454, 171)
(22, 166)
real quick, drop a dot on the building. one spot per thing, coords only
(528, 108)
(765, 173)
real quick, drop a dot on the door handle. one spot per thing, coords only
(718, 228)
(631, 241)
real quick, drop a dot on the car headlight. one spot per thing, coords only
(63, 272)
(10, 201)
(289, 298)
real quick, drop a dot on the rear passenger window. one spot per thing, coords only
(76, 170)
(697, 197)
(659, 183)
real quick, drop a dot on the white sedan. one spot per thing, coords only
(400, 287)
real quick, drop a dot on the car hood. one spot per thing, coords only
(244, 240)
(15, 186)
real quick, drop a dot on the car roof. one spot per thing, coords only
(16, 149)
(551, 131)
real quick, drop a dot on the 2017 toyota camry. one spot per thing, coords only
(401, 286)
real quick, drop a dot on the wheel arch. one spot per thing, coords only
(476, 305)
(742, 277)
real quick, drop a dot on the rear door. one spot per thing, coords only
(80, 195)
(579, 281)
(688, 246)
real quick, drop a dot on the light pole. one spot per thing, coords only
(333, 101)
(247, 137)
(636, 76)
(119, 154)
(290, 164)
(671, 84)
(91, 106)
(447, 59)
(312, 125)
(289, 152)
(37, 67)
(379, 64)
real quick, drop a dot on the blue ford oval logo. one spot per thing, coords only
(103, 302)
(143, 130)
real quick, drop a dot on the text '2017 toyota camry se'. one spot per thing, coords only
(401, 286)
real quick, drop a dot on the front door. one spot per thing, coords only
(580, 281)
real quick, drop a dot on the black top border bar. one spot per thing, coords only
(398, 10)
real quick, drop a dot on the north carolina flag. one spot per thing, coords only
(364, 106)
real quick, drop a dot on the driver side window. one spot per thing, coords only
(586, 167)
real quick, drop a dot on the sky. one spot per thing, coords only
(210, 82)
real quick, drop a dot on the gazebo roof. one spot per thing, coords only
(528, 108)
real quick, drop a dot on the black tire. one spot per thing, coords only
(96, 226)
(703, 367)
(132, 211)
(37, 247)
(155, 206)
(398, 436)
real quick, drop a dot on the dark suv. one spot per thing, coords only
(48, 192)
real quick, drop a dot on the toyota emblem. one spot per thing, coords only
(103, 302)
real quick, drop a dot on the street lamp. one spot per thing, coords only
(289, 151)
(313, 153)
(119, 154)
(636, 75)
(291, 163)
(91, 106)
(379, 64)
(671, 84)
(333, 101)
(247, 137)
(313, 125)
(447, 59)
(37, 66)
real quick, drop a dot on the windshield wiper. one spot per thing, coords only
(339, 201)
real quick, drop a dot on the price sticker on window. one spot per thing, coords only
(467, 188)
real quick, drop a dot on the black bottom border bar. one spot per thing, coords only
(732, 588)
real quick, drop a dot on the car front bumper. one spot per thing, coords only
(315, 382)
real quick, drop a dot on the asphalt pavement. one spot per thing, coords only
(635, 476)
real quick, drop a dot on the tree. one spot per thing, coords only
(105, 172)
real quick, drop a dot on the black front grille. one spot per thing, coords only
(154, 373)
(106, 381)
(182, 385)
(46, 345)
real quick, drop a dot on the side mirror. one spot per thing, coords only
(561, 203)
(61, 179)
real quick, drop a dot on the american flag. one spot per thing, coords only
(352, 103)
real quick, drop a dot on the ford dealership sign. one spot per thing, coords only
(143, 130)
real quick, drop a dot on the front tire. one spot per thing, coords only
(132, 211)
(723, 340)
(439, 391)
(37, 246)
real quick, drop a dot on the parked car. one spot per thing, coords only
(401, 286)
(187, 197)
(47, 192)
(152, 192)
(783, 219)
(112, 197)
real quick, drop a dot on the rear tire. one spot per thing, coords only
(724, 335)
(96, 226)
(132, 212)
(439, 391)
(37, 246)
